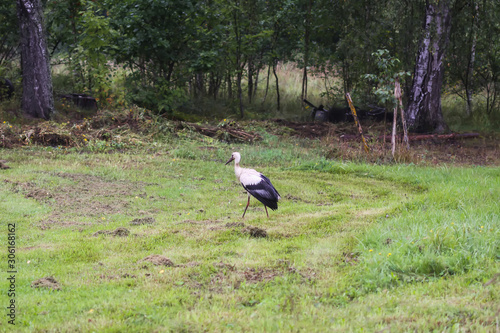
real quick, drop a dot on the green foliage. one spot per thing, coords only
(82, 30)
(160, 96)
(480, 120)
(94, 50)
(172, 56)
(389, 72)
(8, 33)
(474, 56)
(153, 38)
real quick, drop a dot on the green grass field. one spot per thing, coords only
(353, 246)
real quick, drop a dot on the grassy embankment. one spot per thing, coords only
(352, 246)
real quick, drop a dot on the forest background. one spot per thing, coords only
(200, 59)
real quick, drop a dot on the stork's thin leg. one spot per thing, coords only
(248, 203)
(266, 211)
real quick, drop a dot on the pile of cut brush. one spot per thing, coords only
(47, 135)
(52, 134)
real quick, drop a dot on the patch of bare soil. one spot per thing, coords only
(228, 277)
(118, 232)
(93, 195)
(144, 220)
(159, 260)
(46, 282)
(231, 275)
(84, 195)
(49, 223)
(254, 275)
(254, 232)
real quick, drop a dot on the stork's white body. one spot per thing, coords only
(255, 184)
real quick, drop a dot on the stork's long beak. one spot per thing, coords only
(230, 160)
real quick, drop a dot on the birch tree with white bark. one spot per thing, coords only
(424, 104)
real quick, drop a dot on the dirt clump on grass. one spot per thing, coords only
(118, 232)
(349, 258)
(254, 275)
(4, 166)
(46, 282)
(30, 190)
(142, 221)
(159, 260)
(254, 232)
(222, 265)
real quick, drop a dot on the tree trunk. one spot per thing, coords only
(267, 83)
(275, 63)
(250, 79)
(424, 106)
(199, 80)
(472, 59)
(256, 84)
(37, 99)
(229, 83)
(306, 51)
(239, 77)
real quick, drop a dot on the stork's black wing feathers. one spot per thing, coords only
(265, 192)
(271, 185)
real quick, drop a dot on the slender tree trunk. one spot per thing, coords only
(394, 126)
(199, 80)
(256, 84)
(277, 85)
(306, 51)
(470, 65)
(239, 77)
(424, 108)
(229, 82)
(239, 55)
(345, 77)
(267, 83)
(37, 99)
(250, 79)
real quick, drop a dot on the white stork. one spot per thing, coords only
(255, 184)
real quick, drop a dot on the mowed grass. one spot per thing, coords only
(352, 247)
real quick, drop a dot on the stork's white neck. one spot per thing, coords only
(237, 170)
